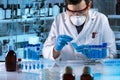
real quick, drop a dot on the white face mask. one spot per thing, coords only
(78, 20)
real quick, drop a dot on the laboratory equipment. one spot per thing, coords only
(86, 74)
(19, 65)
(68, 75)
(33, 51)
(92, 51)
(10, 61)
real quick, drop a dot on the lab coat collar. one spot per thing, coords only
(67, 20)
(91, 14)
(81, 38)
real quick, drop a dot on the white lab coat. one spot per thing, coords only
(96, 22)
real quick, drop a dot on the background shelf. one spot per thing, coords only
(114, 16)
(24, 20)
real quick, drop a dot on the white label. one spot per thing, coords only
(8, 13)
(56, 10)
(2, 13)
(26, 11)
(42, 12)
(50, 11)
(18, 12)
(32, 11)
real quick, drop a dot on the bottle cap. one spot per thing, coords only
(87, 70)
(19, 59)
(68, 70)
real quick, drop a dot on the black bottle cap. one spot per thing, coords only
(87, 70)
(68, 70)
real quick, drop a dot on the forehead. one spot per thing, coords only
(78, 6)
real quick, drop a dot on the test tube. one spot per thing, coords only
(104, 49)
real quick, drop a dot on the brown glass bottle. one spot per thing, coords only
(10, 61)
(86, 74)
(68, 74)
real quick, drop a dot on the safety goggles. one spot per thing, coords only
(79, 12)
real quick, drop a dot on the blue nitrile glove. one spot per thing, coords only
(62, 40)
(78, 48)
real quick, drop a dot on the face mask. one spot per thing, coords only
(78, 20)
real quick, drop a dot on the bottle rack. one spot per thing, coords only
(114, 16)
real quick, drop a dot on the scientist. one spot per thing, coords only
(81, 25)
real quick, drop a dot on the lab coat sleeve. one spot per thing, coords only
(109, 37)
(49, 44)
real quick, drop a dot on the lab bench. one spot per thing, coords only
(107, 69)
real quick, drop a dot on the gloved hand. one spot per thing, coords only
(62, 40)
(78, 48)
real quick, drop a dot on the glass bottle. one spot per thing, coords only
(3, 6)
(15, 11)
(27, 9)
(56, 9)
(118, 7)
(10, 61)
(12, 11)
(46, 9)
(62, 7)
(42, 10)
(2, 11)
(50, 10)
(68, 75)
(18, 11)
(86, 74)
(5, 47)
(8, 12)
(31, 9)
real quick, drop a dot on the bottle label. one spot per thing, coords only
(2, 14)
(8, 13)
(18, 12)
(56, 10)
(42, 12)
(50, 11)
(32, 11)
(26, 11)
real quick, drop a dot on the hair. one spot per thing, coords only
(74, 2)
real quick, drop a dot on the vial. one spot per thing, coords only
(19, 65)
(86, 74)
(68, 75)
